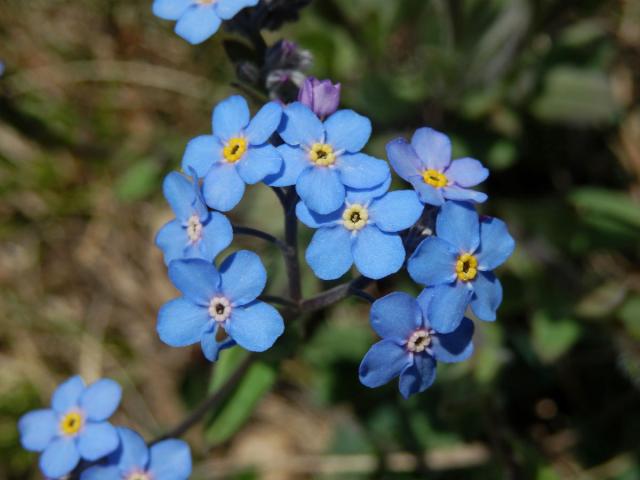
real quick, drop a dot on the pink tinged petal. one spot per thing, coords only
(360, 171)
(294, 161)
(347, 130)
(67, 395)
(230, 117)
(433, 262)
(180, 322)
(321, 189)
(487, 296)
(255, 327)
(59, 458)
(467, 172)
(496, 244)
(463, 194)
(418, 377)
(243, 277)
(264, 124)
(396, 315)
(100, 399)
(433, 147)
(404, 159)
(329, 253)
(97, 440)
(396, 210)
(258, 163)
(300, 126)
(458, 224)
(377, 254)
(383, 362)
(197, 279)
(37, 429)
(201, 154)
(170, 9)
(197, 24)
(223, 187)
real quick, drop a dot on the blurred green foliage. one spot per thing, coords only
(96, 105)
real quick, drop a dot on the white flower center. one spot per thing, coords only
(220, 309)
(194, 229)
(419, 341)
(138, 475)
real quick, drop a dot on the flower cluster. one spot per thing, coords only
(75, 428)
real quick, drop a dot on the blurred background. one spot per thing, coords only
(97, 101)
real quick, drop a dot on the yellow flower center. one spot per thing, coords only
(194, 229)
(71, 423)
(467, 267)
(322, 154)
(355, 217)
(435, 178)
(235, 149)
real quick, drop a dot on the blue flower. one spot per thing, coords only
(199, 19)
(236, 153)
(74, 427)
(363, 230)
(411, 344)
(196, 232)
(459, 261)
(215, 299)
(426, 164)
(166, 460)
(321, 160)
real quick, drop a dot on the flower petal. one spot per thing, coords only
(463, 194)
(419, 376)
(265, 122)
(329, 253)
(201, 154)
(396, 210)
(456, 346)
(259, 162)
(228, 9)
(458, 224)
(230, 117)
(133, 451)
(197, 279)
(447, 307)
(496, 244)
(403, 159)
(315, 220)
(180, 322)
(37, 428)
(347, 130)
(223, 187)
(180, 194)
(170, 460)
(467, 172)
(172, 240)
(433, 147)
(383, 362)
(377, 254)
(211, 347)
(100, 399)
(427, 193)
(59, 458)
(294, 161)
(321, 189)
(101, 472)
(67, 395)
(243, 277)
(300, 126)
(197, 24)
(373, 192)
(217, 235)
(487, 296)
(170, 9)
(359, 170)
(433, 262)
(97, 440)
(396, 315)
(255, 327)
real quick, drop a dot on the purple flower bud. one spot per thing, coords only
(321, 96)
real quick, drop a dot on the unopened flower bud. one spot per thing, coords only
(321, 96)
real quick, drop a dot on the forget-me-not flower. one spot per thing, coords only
(134, 460)
(236, 153)
(459, 261)
(199, 19)
(321, 96)
(74, 428)
(214, 299)
(411, 345)
(196, 232)
(364, 231)
(426, 164)
(322, 159)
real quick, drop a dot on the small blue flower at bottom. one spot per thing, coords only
(199, 19)
(363, 231)
(166, 460)
(411, 347)
(220, 301)
(458, 262)
(75, 426)
(196, 232)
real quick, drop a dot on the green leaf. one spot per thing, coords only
(139, 181)
(630, 316)
(612, 205)
(602, 301)
(553, 337)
